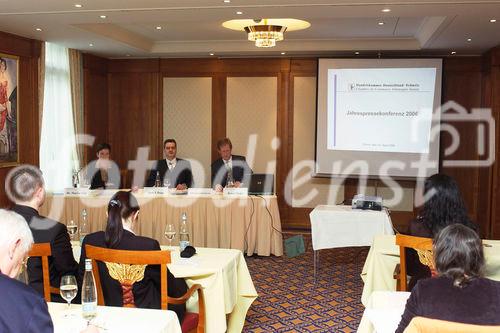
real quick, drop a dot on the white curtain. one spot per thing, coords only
(58, 157)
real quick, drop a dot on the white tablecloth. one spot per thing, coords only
(115, 319)
(226, 282)
(342, 226)
(383, 312)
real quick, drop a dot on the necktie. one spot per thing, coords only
(170, 165)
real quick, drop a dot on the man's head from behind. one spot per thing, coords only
(170, 148)
(224, 147)
(16, 240)
(24, 185)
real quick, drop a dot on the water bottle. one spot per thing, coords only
(184, 233)
(89, 293)
(230, 179)
(84, 226)
(157, 180)
(76, 179)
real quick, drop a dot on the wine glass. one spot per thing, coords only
(166, 182)
(72, 229)
(68, 289)
(170, 233)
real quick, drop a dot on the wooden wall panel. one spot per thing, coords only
(135, 117)
(29, 130)
(95, 101)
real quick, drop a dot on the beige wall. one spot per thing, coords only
(251, 120)
(187, 117)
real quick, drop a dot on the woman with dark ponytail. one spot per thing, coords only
(460, 292)
(123, 213)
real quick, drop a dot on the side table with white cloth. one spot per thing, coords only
(114, 319)
(227, 285)
(342, 226)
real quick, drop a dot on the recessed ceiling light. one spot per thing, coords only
(77, 5)
(239, 13)
(356, 53)
(158, 28)
(211, 53)
(386, 10)
(493, 20)
(38, 29)
(91, 44)
(469, 39)
(227, 1)
(453, 52)
(283, 53)
(127, 55)
(381, 23)
(103, 16)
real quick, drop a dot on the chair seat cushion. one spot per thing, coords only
(189, 322)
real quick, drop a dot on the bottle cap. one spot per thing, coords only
(88, 264)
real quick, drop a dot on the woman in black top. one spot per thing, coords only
(444, 205)
(460, 293)
(123, 212)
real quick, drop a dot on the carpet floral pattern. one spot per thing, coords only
(289, 301)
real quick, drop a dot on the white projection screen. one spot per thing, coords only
(378, 117)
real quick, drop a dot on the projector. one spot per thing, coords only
(361, 201)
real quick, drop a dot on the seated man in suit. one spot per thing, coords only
(228, 165)
(104, 173)
(26, 189)
(173, 172)
(21, 308)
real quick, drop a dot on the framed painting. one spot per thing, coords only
(9, 124)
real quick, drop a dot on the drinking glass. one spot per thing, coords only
(68, 289)
(72, 229)
(170, 233)
(166, 182)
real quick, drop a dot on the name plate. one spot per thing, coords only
(155, 190)
(105, 193)
(236, 191)
(200, 191)
(76, 191)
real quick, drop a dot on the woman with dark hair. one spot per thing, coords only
(104, 172)
(444, 206)
(123, 212)
(460, 293)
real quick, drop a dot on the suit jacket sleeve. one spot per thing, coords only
(187, 174)
(62, 252)
(39, 321)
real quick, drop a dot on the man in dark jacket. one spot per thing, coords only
(228, 164)
(26, 188)
(176, 170)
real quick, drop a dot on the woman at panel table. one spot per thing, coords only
(444, 206)
(460, 293)
(123, 212)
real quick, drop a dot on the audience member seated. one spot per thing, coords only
(460, 293)
(26, 189)
(172, 171)
(103, 172)
(228, 164)
(123, 212)
(443, 207)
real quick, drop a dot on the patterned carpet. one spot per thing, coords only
(290, 302)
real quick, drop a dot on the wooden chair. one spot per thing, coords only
(127, 267)
(124, 183)
(44, 251)
(427, 325)
(423, 246)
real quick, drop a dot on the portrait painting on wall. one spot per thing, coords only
(9, 126)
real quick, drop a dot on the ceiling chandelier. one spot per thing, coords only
(266, 32)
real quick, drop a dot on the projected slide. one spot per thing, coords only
(380, 109)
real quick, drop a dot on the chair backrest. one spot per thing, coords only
(424, 249)
(126, 274)
(43, 250)
(427, 325)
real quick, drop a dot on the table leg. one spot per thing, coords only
(316, 263)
